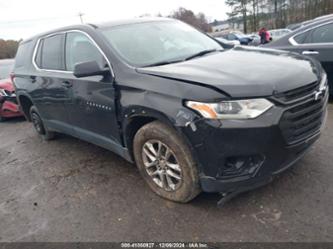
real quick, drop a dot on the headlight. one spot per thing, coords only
(240, 109)
(323, 83)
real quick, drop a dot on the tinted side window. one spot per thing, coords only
(301, 38)
(53, 53)
(23, 55)
(79, 48)
(323, 34)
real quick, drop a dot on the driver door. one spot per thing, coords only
(92, 111)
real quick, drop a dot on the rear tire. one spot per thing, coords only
(2, 119)
(166, 163)
(39, 125)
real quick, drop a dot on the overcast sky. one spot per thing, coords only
(24, 18)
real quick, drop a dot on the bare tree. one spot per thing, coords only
(239, 7)
(199, 21)
(276, 13)
(8, 48)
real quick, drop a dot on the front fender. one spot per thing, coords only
(143, 103)
(147, 107)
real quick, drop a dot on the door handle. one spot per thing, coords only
(67, 84)
(310, 52)
(32, 78)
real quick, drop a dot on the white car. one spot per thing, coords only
(225, 41)
(255, 39)
(278, 33)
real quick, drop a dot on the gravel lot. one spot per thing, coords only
(69, 190)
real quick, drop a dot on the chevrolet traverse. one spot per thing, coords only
(192, 115)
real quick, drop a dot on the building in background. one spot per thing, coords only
(218, 26)
(230, 24)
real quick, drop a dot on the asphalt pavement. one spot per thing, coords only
(69, 190)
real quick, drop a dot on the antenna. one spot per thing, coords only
(81, 15)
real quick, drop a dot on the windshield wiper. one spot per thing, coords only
(202, 53)
(161, 63)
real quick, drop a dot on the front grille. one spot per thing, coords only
(297, 94)
(303, 120)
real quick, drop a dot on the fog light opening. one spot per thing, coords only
(241, 166)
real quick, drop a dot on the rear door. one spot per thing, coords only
(52, 93)
(93, 107)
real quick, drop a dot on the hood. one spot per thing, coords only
(7, 85)
(243, 72)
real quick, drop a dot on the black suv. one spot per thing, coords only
(159, 93)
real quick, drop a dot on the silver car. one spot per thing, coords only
(276, 34)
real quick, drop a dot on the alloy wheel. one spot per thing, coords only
(162, 165)
(37, 123)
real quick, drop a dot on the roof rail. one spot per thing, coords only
(92, 25)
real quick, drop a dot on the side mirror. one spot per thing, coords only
(89, 68)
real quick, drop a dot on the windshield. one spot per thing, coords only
(149, 43)
(6, 67)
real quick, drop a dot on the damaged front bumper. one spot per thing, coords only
(233, 187)
(239, 155)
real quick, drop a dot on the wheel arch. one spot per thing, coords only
(136, 117)
(25, 103)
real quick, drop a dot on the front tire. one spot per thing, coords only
(165, 162)
(39, 125)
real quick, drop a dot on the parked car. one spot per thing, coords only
(192, 116)
(302, 24)
(227, 42)
(238, 36)
(294, 26)
(315, 40)
(224, 42)
(276, 34)
(256, 40)
(8, 104)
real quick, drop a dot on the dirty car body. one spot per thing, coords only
(233, 153)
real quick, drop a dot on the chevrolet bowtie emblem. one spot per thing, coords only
(318, 94)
